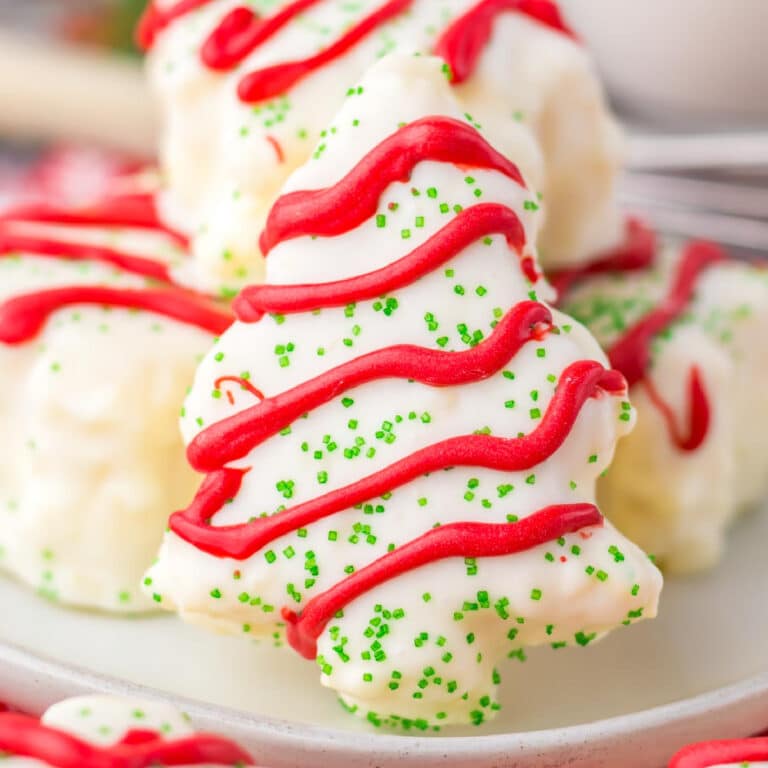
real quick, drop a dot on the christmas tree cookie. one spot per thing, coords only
(685, 328)
(98, 731)
(98, 344)
(401, 438)
(247, 92)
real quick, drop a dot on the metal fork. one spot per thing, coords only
(714, 187)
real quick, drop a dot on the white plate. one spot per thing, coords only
(699, 671)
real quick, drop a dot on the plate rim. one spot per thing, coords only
(269, 733)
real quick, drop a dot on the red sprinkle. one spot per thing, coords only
(240, 381)
(278, 149)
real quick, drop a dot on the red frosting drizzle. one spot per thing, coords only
(636, 253)
(336, 210)
(272, 81)
(135, 211)
(712, 753)
(242, 31)
(23, 317)
(452, 540)
(23, 736)
(244, 384)
(344, 206)
(233, 438)
(631, 354)
(469, 226)
(698, 416)
(464, 41)
(131, 211)
(578, 383)
(12, 244)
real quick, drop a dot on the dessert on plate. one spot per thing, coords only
(738, 753)
(401, 437)
(99, 731)
(72, 175)
(98, 344)
(683, 327)
(248, 90)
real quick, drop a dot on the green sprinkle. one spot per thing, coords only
(584, 640)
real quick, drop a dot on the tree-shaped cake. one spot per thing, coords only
(98, 731)
(683, 328)
(98, 344)
(401, 438)
(247, 89)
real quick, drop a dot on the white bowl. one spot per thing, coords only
(691, 63)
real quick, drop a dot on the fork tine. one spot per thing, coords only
(736, 231)
(719, 196)
(734, 151)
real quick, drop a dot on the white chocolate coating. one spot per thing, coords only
(105, 721)
(570, 591)
(534, 91)
(678, 505)
(91, 461)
